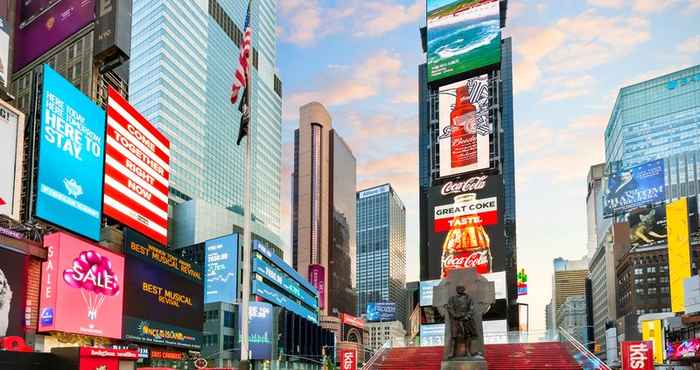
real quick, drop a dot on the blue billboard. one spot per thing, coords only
(71, 158)
(273, 295)
(260, 330)
(221, 266)
(381, 311)
(432, 335)
(426, 291)
(634, 187)
(283, 281)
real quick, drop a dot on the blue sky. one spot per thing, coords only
(360, 58)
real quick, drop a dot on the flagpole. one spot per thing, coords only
(247, 240)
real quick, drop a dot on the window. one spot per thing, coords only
(652, 291)
(638, 271)
(229, 342)
(229, 319)
(639, 291)
(651, 269)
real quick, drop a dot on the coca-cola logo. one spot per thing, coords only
(474, 259)
(472, 184)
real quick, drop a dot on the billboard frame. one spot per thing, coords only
(15, 202)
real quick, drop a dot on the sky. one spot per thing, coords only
(360, 59)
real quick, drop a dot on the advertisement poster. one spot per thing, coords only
(4, 45)
(221, 267)
(647, 226)
(348, 359)
(81, 288)
(43, 24)
(465, 129)
(163, 297)
(137, 171)
(381, 311)
(462, 35)
(275, 296)
(467, 224)
(10, 129)
(71, 158)
(13, 267)
(260, 330)
(637, 356)
(317, 277)
(432, 335)
(679, 262)
(653, 331)
(635, 187)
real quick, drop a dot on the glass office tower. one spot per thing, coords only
(184, 54)
(381, 249)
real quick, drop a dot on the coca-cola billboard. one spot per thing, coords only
(467, 225)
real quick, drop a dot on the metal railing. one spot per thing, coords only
(379, 353)
(579, 352)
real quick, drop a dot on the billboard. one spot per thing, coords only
(522, 282)
(221, 266)
(317, 278)
(381, 311)
(43, 24)
(11, 139)
(647, 226)
(463, 35)
(432, 335)
(426, 291)
(653, 331)
(81, 288)
(137, 171)
(678, 251)
(273, 295)
(163, 297)
(260, 330)
(637, 356)
(467, 228)
(4, 45)
(348, 359)
(352, 321)
(13, 273)
(71, 158)
(465, 128)
(634, 187)
(283, 281)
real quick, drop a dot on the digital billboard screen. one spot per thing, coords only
(647, 226)
(137, 171)
(71, 158)
(221, 267)
(432, 335)
(260, 330)
(467, 224)
(43, 24)
(463, 35)
(381, 311)
(13, 273)
(11, 135)
(464, 126)
(163, 296)
(82, 288)
(634, 187)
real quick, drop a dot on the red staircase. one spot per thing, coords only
(532, 356)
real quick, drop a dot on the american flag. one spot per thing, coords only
(241, 77)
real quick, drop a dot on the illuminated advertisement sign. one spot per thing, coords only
(681, 350)
(279, 263)
(374, 191)
(637, 356)
(81, 288)
(11, 138)
(221, 266)
(164, 301)
(381, 311)
(467, 228)
(317, 277)
(679, 267)
(653, 331)
(260, 330)
(463, 35)
(43, 24)
(464, 126)
(348, 359)
(71, 156)
(635, 187)
(13, 270)
(137, 171)
(282, 280)
(522, 282)
(647, 226)
(352, 321)
(426, 291)
(271, 294)
(432, 335)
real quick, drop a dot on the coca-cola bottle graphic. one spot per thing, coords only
(463, 130)
(467, 244)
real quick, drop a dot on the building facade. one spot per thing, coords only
(382, 332)
(381, 249)
(572, 317)
(569, 280)
(323, 210)
(182, 71)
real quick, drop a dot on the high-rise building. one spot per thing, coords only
(182, 70)
(569, 280)
(382, 332)
(381, 249)
(323, 210)
(572, 317)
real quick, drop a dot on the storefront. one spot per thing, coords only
(91, 358)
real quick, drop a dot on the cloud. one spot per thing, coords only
(303, 18)
(378, 17)
(568, 87)
(694, 5)
(533, 45)
(690, 45)
(652, 6)
(607, 3)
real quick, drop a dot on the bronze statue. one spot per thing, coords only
(460, 317)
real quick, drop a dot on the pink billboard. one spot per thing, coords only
(81, 288)
(317, 278)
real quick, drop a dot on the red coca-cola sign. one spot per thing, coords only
(478, 260)
(469, 185)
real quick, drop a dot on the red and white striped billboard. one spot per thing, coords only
(137, 171)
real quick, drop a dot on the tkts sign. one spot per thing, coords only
(637, 356)
(467, 224)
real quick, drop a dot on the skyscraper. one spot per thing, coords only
(323, 210)
(182, 70)
(381, 249)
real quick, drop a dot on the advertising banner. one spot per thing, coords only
(432, 335)
(163, 295)
(381, 311)
(81, 288)
(13, 272)
(221, 266)
(273, 295)
(283, 281)
(522, 283)
(348, 359)
(637, 355)
(463, 35)
(4, 45)
(71, 156)
(317, 277)
(465, 128)
(467, 224)
(647, 226)
(43, 24)
(11, 138)
(653, 331)
(635, 187)
(678, 251)
(686, 349)
(260, 330)
(352, 321)
(137, 171)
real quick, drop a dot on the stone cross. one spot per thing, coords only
(481, 291)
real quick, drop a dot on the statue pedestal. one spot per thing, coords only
(464, 365)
